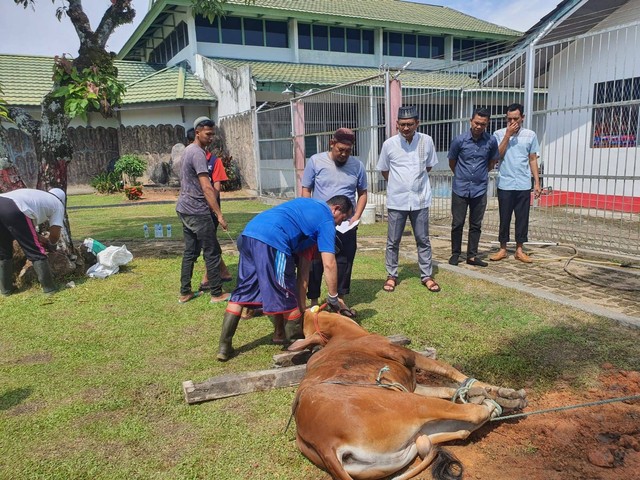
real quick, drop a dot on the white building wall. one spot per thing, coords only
(164, 116)
(234, 88)
(573, 72)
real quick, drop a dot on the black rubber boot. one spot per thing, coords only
(45, 277)
(293, 330)
(6, 277)
(229, 325)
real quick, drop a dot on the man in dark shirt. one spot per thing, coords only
(472, 156)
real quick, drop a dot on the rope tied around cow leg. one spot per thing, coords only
(388, 385)
(463, 390)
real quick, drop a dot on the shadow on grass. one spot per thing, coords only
(567, 353)
(14, 397)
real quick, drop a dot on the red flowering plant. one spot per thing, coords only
(133, 192)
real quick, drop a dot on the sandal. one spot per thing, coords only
(348, 312)
(251, 312)
(390, 284)
(431, 285)
(188, 297)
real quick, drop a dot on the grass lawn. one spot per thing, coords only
(90, 378)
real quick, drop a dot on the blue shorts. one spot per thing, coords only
(266, 277)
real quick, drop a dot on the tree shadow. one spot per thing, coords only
(14, 397)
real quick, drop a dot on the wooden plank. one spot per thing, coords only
(240, 383)
(288, 359)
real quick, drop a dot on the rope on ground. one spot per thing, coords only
(568, 407)
(574, 258)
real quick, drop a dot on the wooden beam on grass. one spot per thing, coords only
(240, 383)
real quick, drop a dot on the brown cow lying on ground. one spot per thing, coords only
(360, 414)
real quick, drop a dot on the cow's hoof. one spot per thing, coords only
(495, 409)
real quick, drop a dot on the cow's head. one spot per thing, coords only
(320, 327)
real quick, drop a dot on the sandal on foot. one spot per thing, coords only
(189, 296)
(348, 312)
(390, 284)
(431, 285)
(251, 312)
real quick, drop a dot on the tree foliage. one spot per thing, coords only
(211, 9)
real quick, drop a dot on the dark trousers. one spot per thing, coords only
(346, 246)
(459, 206)
(15, 225)
(514, 202)
(200, 235)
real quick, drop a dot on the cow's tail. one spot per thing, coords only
(446, 466)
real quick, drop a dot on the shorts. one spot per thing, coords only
(266, 277)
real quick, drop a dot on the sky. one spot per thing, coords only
(38, 32)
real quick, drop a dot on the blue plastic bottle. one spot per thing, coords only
(145, 227)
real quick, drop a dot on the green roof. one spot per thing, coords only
(328, 75)
(392, 15)
(26, 80)
(405, 14)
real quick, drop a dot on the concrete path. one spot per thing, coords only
(546, 277)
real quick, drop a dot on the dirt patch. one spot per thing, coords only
(600, 442)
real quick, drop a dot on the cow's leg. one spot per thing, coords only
(327, 460)
(477, 391)
(435, 392)
(457, 421)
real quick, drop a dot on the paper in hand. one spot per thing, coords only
(345, 226)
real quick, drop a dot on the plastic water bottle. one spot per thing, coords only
(158, 230)
(145, 227)
(168, 230)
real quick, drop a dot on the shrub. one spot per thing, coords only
(233, 172)
(107, 182)
(132, 166)
(133, 192)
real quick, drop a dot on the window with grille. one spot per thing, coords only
(615, 124)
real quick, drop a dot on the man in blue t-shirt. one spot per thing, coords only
(472, 156)
(269, 247)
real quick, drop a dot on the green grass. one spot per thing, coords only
(90, 378)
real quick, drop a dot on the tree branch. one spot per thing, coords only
(119, 13)
(79, 20)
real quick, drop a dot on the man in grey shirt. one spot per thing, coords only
(196, 201)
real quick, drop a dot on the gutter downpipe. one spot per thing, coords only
(387, 102)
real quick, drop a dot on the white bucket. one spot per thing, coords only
(369, 214)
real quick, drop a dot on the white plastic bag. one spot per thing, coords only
(114, 256)
(100, 271)
(109, 261)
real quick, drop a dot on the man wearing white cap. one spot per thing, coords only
(196, 201)
(21, 211)
(405, 160)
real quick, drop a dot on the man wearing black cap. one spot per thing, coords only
(326, 175)
(405, 160)
(196, 201)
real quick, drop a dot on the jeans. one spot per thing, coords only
(420, 225)
(477, 207)
(200, 234)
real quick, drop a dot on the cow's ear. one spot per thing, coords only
(303, 343)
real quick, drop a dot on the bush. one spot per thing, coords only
(133, 192)
(132, 166)
(107, 182)
(233, 172)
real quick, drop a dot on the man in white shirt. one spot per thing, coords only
(21, 211)
(405, 160)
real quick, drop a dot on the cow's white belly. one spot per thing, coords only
(364, 464)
